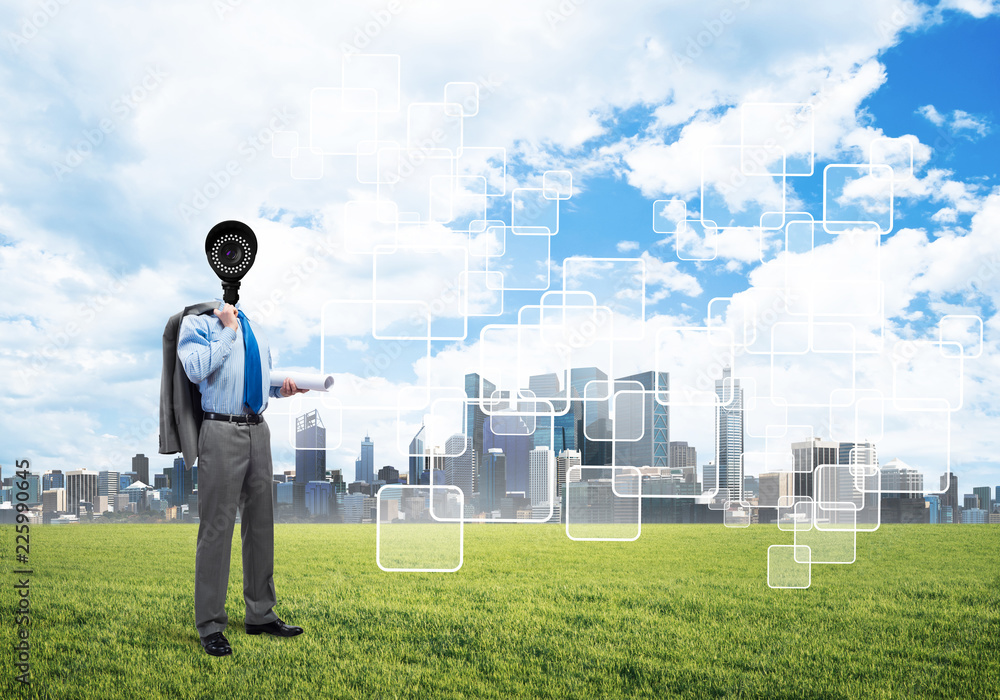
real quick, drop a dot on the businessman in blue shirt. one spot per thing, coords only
(223, 356)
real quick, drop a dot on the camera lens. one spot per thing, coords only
(230, 253)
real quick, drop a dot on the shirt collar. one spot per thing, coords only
(238, 305)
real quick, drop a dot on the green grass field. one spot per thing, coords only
(684, 611)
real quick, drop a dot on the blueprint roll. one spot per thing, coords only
(303, 380)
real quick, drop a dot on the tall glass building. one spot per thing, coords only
(310, 448)
(729, 433)
(364, 467)
(640, 423)
(492, 480)
(416, 457)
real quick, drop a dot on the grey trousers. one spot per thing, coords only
(234, 472)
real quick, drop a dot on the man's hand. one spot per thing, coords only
(228, 317)
(288, 388)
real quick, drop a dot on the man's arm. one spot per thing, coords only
(285, 390)
(198, 355)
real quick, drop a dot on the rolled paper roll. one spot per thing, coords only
(303, 380)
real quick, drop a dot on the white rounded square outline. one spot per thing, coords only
(795, 560)
(892, 198)
(604, 539)
(745, 505)
(461, 529)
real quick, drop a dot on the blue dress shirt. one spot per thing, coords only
(213, 357)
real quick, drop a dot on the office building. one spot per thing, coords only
(776, 489)
(970, 500)
(566, 460)
(544, 388)
(984, 497)
(640, 423)
(364, 466)
(33, 490)
(709, 477)
(479, 391)
(806, 456)
(160, 481)
(683, 455)
(54, 479)
(933, 509)
(285, 494)
(899, 480)
(540, 475)
(354, 507)
(858, 453)
(589, 389)
(417, 460)
(81, 487)
(310, 448)
(54, 500)
(459, 464)
(949, 497)
(974, 516)
(318, 496)
(181, 483)
(729, 434)
(140, 465)
(509, 433)
(388, 475)
(492, 480)
(108, 483)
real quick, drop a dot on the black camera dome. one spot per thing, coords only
(231, 247)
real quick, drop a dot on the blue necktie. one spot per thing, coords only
(253, 393)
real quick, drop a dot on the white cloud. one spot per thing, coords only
(931, 114)
(976, 8)
(958, 122)
(626, 246)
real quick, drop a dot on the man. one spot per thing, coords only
(223, 356)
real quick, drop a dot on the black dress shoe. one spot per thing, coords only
(216, 644)
(275, 627)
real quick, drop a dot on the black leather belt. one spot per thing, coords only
(245, 418)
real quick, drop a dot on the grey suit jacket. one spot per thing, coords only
(180, 398)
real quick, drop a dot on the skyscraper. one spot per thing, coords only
(54, 479)
(310, 448)
(478, 391)
(641, 424)
(180, 483)
(541, 465)
(729, 434)
(108, 483)
(492, 480)
(140, 465)
(81, 485)
(388, 474)
(949, 499)
(510, 434)
(806, 456)
(34, 490)
(593, 405)
(566, 460)
(417, 460)
(899, 480)
(545, 388)
(984, 497)
(683, 455)
(460, 464)
(365, 464)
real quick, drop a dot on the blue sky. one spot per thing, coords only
(95, 256)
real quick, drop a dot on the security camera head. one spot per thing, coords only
(231, 247)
